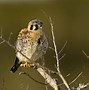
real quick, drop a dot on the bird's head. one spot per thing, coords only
(35, 25)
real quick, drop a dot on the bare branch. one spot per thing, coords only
(80, 86)
(62, 47)
(6, 41)
(51, 48)
(62, 57)
(68, 75)
(10, 37)
(48, 78)
(55, 49)
(56, 53)
(85, 54)
(2, 42)
(76, 78)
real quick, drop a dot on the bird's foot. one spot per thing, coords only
(34, 66)
(26, 65)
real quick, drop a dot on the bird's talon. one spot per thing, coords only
(33, 66)
(26, 65)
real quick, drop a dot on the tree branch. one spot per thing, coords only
(85, 54)
(56, 53)
(52, 82)
(75, 78)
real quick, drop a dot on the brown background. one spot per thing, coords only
(71, 23)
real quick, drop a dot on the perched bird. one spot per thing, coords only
(31, 43)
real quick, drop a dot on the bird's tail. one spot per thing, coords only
(15, 66)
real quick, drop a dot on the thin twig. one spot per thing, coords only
(10, 37)
(81, 86)
(7, 42)
(2, 42)
(76, 78)
(85, 54)
(68, 75)
(51, 48)
(62, 57)
(55, 48)
(56, 53)
(62, 47)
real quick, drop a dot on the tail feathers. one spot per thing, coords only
(15, 66)
(13, 69)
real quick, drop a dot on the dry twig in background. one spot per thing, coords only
(81, 86)
(85, 54)
(57, 58)
(76, 78)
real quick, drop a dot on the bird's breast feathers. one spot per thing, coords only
(32, 44)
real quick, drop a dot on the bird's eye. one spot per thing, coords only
(34, 27)
(31, 28)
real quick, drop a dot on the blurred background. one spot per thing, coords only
(71, 23)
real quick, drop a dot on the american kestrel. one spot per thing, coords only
(31, 42)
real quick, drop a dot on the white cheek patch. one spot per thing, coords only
(29, 27)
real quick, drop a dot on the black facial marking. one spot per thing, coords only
(31, 28)
(36, 27)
